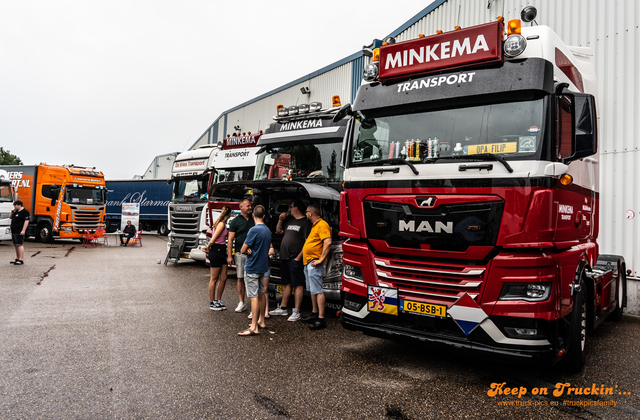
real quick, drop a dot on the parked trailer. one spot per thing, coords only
(154, 196)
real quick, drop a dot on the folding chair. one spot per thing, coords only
(137, 239)
(89, 239)
(101, 237)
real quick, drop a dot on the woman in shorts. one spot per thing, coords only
(217, 253)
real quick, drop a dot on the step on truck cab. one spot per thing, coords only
(6, 205)
(63, 201)
(471, 196)
(298, 158)
(187, 211)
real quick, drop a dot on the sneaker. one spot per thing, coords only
(241, 307)
(217, 306)
(310, 319)
(212, 305)
(295, 316)
(318, 324)
(12, 262)
(250, 316)
(19, 262)
(222, 307)
(279, 311)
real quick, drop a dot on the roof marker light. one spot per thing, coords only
(420, 35)
(457, 28)
(438, 31)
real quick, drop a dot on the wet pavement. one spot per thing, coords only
(108, 333)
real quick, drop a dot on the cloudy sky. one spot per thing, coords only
(112, 84)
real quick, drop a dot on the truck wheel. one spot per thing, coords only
(44, 233)
(576, 357)
(621, 293)
(162, 229)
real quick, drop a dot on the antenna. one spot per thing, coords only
(458, 20)
(185, 145)
(258, 130)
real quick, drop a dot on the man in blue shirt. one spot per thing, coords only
(256, 246)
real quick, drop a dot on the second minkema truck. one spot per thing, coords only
(471, 196)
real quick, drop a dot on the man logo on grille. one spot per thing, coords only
(426, 201)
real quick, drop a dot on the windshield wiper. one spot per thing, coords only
(397, 160)
(489, 156)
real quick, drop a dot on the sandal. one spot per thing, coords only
(248, 332)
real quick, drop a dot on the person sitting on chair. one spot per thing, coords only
(129, 231)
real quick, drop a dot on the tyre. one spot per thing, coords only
(576, 356)
(621, 293)
(162, 229)
(44, 233)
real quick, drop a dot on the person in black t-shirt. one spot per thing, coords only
(129, 232)
(19, 221)
(296, 228)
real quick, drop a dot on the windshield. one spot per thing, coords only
(511, 130)
(85, 195)
(189, 190)
(301, 161)
(5, 194)
(240, 174)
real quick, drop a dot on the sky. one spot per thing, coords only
(113, 84)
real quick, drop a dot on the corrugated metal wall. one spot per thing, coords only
(610, 28)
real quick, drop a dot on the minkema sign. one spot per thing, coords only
(481, 43)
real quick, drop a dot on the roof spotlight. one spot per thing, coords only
(528, 14)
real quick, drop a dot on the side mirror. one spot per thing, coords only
(585, 142)
(343, 112)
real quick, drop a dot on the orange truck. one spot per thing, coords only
(63, 201)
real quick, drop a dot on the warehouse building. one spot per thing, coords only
(609, 28)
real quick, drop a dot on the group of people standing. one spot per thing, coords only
(303, 254)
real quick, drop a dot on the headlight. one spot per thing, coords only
(353, 273)
(203, 242)
(536, 292)
(334, 267)
(293, 110)
(514, 45)
(303, 108)
(370, 72)
(66, 229)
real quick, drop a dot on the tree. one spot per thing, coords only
(6, 158)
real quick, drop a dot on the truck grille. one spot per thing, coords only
(185, 223)
(439, 283)
(452, 227)
(86, 219)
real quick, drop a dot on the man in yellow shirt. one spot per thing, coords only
(314, 257)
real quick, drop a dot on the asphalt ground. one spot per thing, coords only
(108, 333)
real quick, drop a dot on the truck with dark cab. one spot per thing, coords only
(298, 157)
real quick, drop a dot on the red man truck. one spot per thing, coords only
(470, 200)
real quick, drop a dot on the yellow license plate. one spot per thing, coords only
(423, 308)
(280, 289)
(494, 148)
